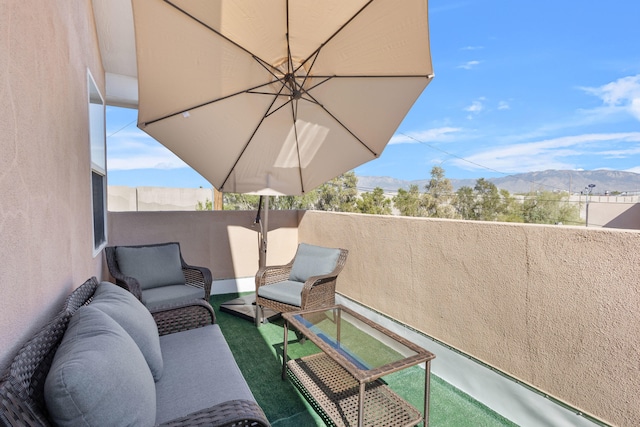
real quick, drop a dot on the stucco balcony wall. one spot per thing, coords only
(227, 242)
(555, 307)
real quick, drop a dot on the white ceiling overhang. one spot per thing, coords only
(116, 39)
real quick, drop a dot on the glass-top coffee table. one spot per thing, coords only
(344, 380)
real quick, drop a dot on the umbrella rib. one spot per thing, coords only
(289, 58)
(381, 76)
(304, 80)
(326, 79)
(247, 144)
(194, 107)
(315, 101)
(294, 114)
(278, 109)
(209, 27)
(297, 92)
(266, 66)
(335, 33)
(269, 113)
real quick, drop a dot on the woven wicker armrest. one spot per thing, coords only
(198, 276)
(319, 291)
(182, 317)
(15, 411)
(318, 280)
(273, 274)
(22, 387)
(129, 283)
(236, 413)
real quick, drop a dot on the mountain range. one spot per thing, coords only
(605, 181)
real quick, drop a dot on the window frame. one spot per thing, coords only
(98, 162)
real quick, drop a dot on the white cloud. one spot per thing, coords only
(472, 48)
(169, 161)
(503, 105)
(430, 135)
(137, 150)
(475, 107)
(468, 65)
(549, 153)
(622, 94)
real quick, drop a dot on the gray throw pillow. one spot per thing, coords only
(135, 319)
(98, 376)
(313, 261)
(152, 266)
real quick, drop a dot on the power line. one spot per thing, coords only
(474, 163)
(122, 128)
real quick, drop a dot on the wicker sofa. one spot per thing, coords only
(104, 359)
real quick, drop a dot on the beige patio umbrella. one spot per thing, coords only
(278, 96)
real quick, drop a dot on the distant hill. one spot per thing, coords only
(550, 180)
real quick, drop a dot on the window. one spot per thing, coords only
(98, 164)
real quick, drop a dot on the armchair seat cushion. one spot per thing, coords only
(168, 295)
(288, 292)
(152, 266)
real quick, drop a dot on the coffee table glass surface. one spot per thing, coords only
(365, 348)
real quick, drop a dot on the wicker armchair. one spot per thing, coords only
(198, 277)
(308, 281)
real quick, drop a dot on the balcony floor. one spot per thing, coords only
(258, 352)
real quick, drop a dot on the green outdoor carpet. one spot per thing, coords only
(258, 352)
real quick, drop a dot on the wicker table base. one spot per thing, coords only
(336, 392)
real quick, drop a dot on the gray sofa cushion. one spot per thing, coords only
(152, 266)
(199, 372)
(173, 294)
(313, 260)
(288, 292)
(134, 318)
(98, 376)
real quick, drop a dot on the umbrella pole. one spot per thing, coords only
(264, 231)
(262, 255)
(245, 306)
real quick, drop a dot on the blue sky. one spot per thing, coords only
(519, 86)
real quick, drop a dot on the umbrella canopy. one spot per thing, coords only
(278, 96)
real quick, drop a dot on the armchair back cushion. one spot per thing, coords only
(135, 319)
(99, 376)
(152, 266)
(313, 260)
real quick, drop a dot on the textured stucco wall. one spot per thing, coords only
(226, 242)
(127, 199)
(556, 307)
(615, 215)
(46, 48)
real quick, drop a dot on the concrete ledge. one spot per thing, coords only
(228, 286)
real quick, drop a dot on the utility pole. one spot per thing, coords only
(589, 189)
